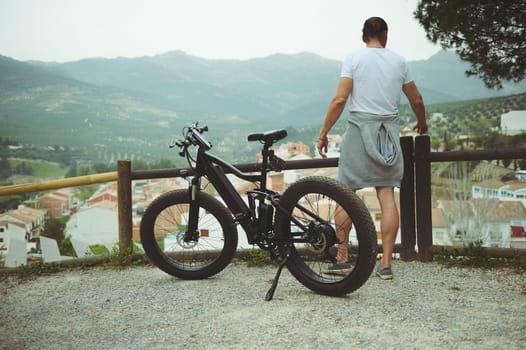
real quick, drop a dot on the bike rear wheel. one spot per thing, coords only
(163, 228)
(309, 200)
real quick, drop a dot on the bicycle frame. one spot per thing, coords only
(254, 224)
(193, 235)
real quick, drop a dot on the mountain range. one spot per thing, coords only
(134, 102)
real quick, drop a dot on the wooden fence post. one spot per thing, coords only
(423, 198)
(124, 206)
(407, 201)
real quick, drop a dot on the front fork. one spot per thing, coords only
(192, 233)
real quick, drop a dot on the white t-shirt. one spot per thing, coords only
(378, 75)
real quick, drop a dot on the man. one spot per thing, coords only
(370, 154)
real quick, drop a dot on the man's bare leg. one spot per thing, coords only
(389, 223)
(343, 228)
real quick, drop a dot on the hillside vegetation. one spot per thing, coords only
(472, 118)
(96, 111)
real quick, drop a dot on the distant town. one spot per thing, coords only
(493, 212)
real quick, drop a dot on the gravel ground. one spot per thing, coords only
(426, 306)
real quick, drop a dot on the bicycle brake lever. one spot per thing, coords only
(174, 143)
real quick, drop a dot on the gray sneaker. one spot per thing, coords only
(384, 273)
(337, 268)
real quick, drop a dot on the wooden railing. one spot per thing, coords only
(422, 157)
(415, 220)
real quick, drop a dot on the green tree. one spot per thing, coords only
(84, 170)
(103, 168)
(140, 164)
(5, 168)
(163, 163)
(83, 193)
(66, 247)
(72, 172)
(435, 144)
(488, 34)
(24, 169)
(54, 228)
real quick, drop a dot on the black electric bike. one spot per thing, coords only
(191, 234)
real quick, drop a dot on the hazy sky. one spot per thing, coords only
(68, 30)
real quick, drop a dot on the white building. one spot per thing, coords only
(487, 219)
(13, 245)
(95, 225)
(503, 191)
(513, 123)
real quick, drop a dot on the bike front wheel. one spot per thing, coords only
(163, 237)
(307, 232)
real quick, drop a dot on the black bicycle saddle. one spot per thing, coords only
(268, 136)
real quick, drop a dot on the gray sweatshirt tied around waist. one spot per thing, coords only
(370, 152)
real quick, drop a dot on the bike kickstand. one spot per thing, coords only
(270, 293)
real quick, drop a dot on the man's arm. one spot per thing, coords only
(417, 104)
(334, 111)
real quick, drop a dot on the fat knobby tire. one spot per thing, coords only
(172, 266)
(362, 221)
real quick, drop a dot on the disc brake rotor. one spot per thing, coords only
(321, 237)
(183, 244)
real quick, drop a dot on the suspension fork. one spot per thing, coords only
(194, 189)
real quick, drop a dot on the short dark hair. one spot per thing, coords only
(373, 28)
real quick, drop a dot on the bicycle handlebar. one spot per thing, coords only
(197, 134)
(194, 137)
